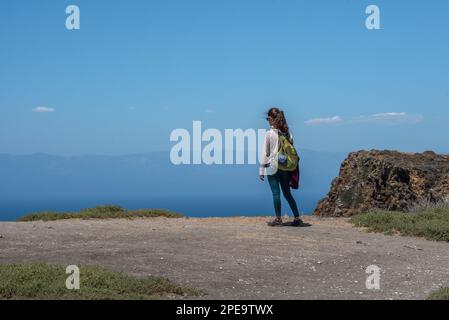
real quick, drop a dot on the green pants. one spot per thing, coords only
(281, 181)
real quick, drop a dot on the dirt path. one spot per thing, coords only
(240, 258)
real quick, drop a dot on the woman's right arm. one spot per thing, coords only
(265, 155)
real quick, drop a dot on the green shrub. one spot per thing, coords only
(432, 223)
(442, 294)
(100, 212)
(48, 282)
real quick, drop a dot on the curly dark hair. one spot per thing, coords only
(277, 119)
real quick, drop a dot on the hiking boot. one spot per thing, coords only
(300, 223)
(275, 223)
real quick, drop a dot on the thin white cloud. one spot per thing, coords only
(390, 118)
(43, 109)
(209, 111)
(390, 114)
(379, 118)
(331, 120)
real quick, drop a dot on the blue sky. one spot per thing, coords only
(139, 69)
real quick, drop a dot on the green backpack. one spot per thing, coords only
(288, 158)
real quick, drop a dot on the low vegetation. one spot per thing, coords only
(442, 294)
(101, 212)
(48, 282)
(431, 222)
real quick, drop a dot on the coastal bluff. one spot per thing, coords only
(386, 180)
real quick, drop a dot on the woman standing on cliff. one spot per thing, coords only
(274, 165)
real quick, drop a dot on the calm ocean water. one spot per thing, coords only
(193, 206)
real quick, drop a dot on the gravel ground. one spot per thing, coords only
(240, 258)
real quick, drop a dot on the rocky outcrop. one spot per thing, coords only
(387, 180)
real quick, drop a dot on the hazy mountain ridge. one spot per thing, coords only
(146, 173)
(41, 182)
